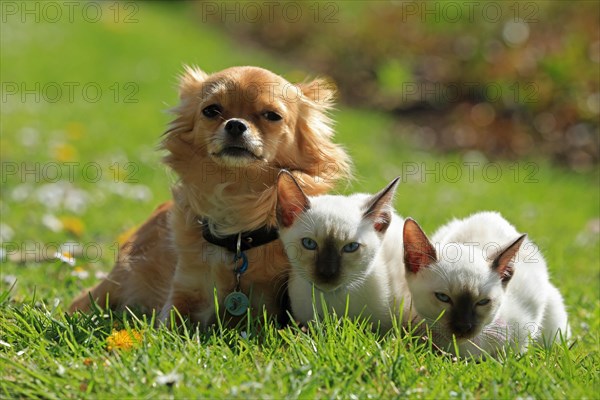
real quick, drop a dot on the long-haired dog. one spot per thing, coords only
(234, 131)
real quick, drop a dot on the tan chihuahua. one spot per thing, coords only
(234, 131)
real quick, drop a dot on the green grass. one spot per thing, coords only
(342, 360)
(46, 354)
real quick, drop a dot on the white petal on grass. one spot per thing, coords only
(140, 192)
(137, 192)
(22, 192)
(62, 194)
(76, 200)
(169, 379)
(51, 195)
(6, 233)
(66, 258)
(9, 279)
(51, 222)
(30, 137)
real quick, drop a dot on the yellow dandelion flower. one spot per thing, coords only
(73, 225)
(64, 152)
(123, 340)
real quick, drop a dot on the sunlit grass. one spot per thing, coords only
(116, 179)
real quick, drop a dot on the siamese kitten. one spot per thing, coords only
(344, 249)
(484, 284)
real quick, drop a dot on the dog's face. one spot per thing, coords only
(235, 130)
(246, 115)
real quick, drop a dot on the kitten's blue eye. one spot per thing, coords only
(351, 247)
(442, 297)
(483, 302)
(309, 244)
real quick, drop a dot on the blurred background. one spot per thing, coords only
(506, 79)
(427, 90)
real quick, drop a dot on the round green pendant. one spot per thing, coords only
(236, 303)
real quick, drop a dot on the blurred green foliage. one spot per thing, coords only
(509, 79)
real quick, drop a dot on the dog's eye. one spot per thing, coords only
(272, 116)
(212, 111)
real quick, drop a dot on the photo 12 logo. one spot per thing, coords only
(291, 92)
(52, 172)
(491, 92)
(473, 251)
(469, 171)
(269, 11)
(469, 11)
(69, 11)
(69, 92)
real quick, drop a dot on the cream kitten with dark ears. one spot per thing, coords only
(483, 283)
(345, 249)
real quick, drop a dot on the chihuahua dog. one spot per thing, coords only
(215, 246)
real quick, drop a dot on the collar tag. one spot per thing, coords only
(243, 266)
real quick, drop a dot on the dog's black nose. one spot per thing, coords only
(235, 127)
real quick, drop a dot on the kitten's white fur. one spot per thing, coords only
(370, 283)
(528, 307)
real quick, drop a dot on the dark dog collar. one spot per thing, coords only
(248, 241)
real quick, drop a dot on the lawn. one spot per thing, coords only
(83, 108)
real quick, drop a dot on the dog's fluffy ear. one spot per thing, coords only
(190, 81)
(323, 160)
(321, 91)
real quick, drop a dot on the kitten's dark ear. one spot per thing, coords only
(418, 250)
(379, 207)
(503, 264)
(291, 200)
